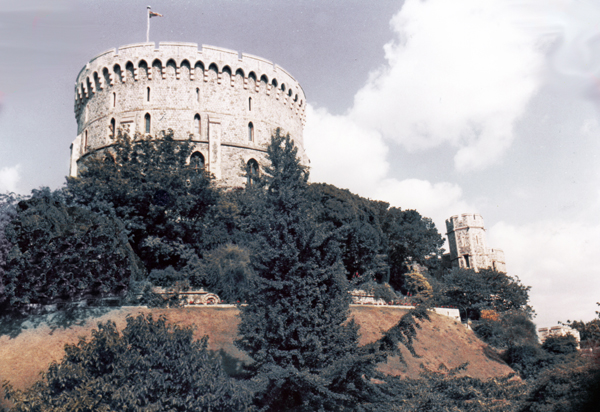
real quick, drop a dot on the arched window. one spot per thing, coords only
(252, 169)
(197, 125)
(249, 103)
(197, 94)
(197, 162)
(250, 132)
(112, 128)
(147, 94)
(147, 118)
(114, 99)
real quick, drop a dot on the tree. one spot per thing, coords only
(294, 327)
(486, 289)
(411, 239)
(149, 366)
(164, 202)
(8, 211)
(355, 221)
(589, 332)
(62, 253)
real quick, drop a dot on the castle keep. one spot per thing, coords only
(468, 246)
(227, 104)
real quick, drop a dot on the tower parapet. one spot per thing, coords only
(227, 104)
(468, 245)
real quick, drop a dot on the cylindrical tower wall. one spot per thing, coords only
(228, 104)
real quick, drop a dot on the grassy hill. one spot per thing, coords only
(440, 341)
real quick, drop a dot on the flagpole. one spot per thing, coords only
(148, 25)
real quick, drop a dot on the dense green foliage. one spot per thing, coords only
(149, 366)
(486, 289)
(163, 202)
(444, 391)
(355, 222)
(566, 387)
(62, 253)
(511, 328)
(294, 326)
(560, 345)
(8, 211)
(411, 239)
(589, 332)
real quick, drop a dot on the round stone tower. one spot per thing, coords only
(227, 104)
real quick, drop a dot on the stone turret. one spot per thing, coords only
(468, 246)
(227, 104)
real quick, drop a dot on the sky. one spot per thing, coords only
(446, 107)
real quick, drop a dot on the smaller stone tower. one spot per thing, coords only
(468, 247)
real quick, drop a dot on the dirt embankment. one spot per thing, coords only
(441, 341)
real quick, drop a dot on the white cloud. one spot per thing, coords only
(559, 260)
(9, 177)
(343, 153)
(460, 72)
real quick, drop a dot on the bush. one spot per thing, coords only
(229, 273)
(560, 345)
(505, 330)
(417, 285)
(150, 366)
(528, 360)
(567, 387)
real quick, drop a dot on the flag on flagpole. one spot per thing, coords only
(150, 15)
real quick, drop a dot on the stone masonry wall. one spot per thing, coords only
(468, 245)
(176, 82)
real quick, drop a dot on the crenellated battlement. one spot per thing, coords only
(468, 244)
(110, 69)
(473, 220)
(228, 103)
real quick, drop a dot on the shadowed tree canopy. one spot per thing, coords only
(589, 332)
(355, 222)
(8, 211)
(486, 289)
(412, 238)
(62, 253)
(163, 201)
(294, 325)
